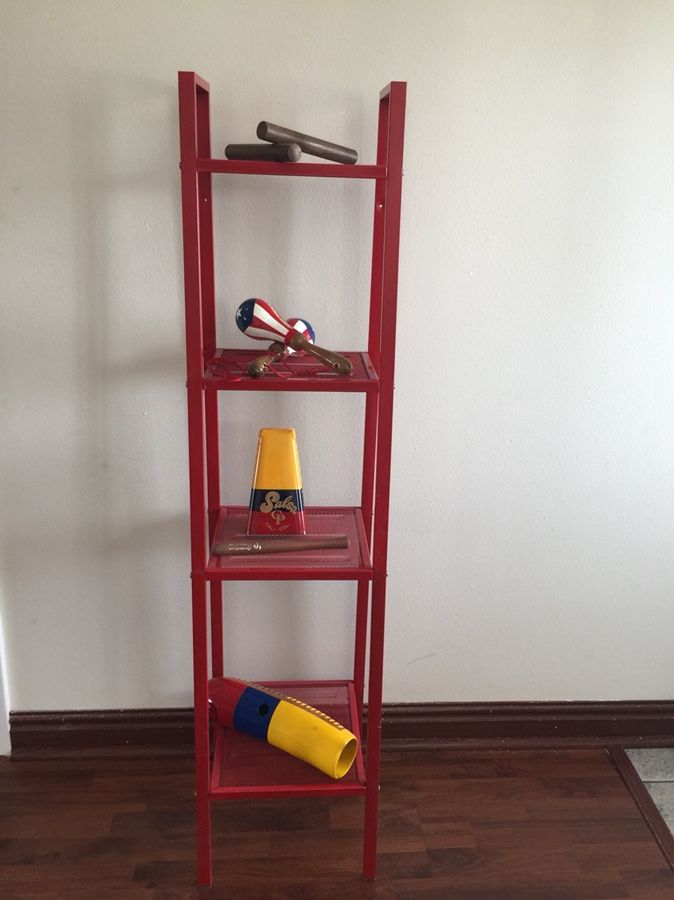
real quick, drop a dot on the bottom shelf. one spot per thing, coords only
(246, 767)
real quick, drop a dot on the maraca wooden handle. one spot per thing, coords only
(336, 361)
(260, 364)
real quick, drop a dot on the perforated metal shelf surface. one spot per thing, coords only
(227, 370)
(244, 766)
(347, 564)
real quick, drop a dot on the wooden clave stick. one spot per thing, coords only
(314, 146)
(278, 152)
(254, 544)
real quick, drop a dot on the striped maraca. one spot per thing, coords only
(305, 329)
(260, 321)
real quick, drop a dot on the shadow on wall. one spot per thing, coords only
(100, 500)
(96, 555)
(299, 244)
(131, 379)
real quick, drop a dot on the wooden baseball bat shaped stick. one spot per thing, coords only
(248, 546)
(314, 146)
(287, 152)
(258, 319)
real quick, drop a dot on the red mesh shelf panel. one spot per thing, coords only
(227, 370)
(246, 767)
(353, 562)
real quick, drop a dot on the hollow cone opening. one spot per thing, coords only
(346, 758)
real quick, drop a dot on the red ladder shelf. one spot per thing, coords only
(241, 766)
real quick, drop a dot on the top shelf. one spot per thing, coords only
(299, 169)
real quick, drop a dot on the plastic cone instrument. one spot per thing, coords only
(276, 498)
(284, 722)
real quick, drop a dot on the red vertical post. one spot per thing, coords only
(372, 399)
(209, 345)
(189, 86)
(394, 97)
(362, 598)
(375, 322)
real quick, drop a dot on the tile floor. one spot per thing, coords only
(656, 770)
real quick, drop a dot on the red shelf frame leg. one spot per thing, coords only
(385, 255)
(371, 403)
(191, 96)
(207, 270)
(360, 649)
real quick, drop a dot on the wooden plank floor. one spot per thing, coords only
(503, 825)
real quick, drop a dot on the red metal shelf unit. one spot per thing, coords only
(241, 766)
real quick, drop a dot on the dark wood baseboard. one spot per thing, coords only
(100, 730)
(590, 723)
(406, 726)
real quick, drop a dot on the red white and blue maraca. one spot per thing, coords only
(258, 319)
(301, 326)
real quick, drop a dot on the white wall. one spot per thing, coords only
(533, 481)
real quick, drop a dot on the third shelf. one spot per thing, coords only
(352, 563)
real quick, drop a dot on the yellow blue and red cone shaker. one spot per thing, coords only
(284, 722)
(276, 499)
